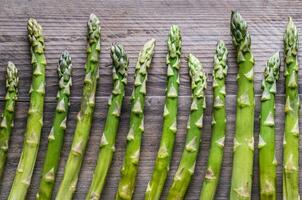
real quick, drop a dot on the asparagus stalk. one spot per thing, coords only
(119, 71)
(186, 166)
(292, 107)
(35, 114)
(266, 145)
(84, 117)
(8, 115)
(131, 160)
(244, 134)
(164, 155)
(218, 123)
(56, 136)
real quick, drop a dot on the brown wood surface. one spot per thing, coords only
(132, 23)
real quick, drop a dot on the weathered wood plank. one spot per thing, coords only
(132, 23)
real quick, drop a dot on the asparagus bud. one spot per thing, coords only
(162, 163)
(119, 71)
(35, 114)
(212, 176)
(244, 134)
(186, 166)
(130, 165)
(8, 115)
(56, 135)
(292, 109)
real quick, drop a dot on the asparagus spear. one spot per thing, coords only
(56, 136)
(266, 145)
(8, 115)
(119, 71)
(244, 134)
(131, 160)
(186, 166)
(35, 114)
(292, 107)
(164, 155)
(84, 117)
(218, 123)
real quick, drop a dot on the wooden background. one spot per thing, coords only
(132, 23)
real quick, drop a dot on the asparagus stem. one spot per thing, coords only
(266, 145)
(131, 160)
(107, 146)
(244, 134)
(292, 107)
(35, 114)
(186, 166)
(212, 176)
(162, 163)
(56, 136)
(8, 115)
(85, 115)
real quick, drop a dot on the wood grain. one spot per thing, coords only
(132, 23)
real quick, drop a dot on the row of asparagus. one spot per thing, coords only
(244, 136)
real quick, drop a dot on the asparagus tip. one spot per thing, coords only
(119, 59)
(238, 28)
(220, 60)
(148, 48)
(277, 53)
(197, 73)
(291, 24)
(10, 65)
(64, 69)
(174, 43)
(190, 57)
(33, 27)
(272, 69)
(175, 28)
(64, 62)
(291, 35)
(32, 21)
(94, 23)
(175, 32)
(93, 18)
(221, 48)
(276, 57)
(117, 47)
(221, 43)
(117, 52)
(12, 78)
(150, 43)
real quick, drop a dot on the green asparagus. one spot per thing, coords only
(84, 117)
(164, 155)
(211, 179)
(292, 107)
(186, 166)
(119, 71)
(244, 134)
(56, 136)
(266, 145)
(8, 115)
(131, 160)
(35, 114)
